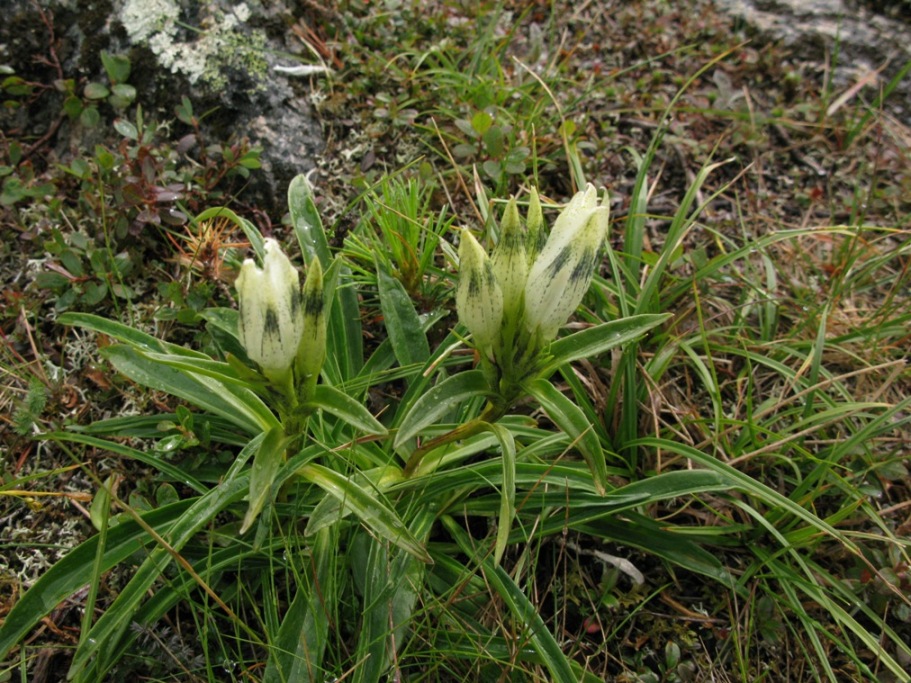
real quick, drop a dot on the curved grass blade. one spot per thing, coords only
(103, 637)
(521, 607)
(70, 573)
(366, 506)
(159, 464)
(773, 498)
(436, 402)
(570, 418)
(330, 510)
(250, 230)
(507, 487)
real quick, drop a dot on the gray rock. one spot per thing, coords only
(221, 53)
(814, 29)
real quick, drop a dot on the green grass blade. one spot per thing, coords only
(170, 470)
(680, 225)
(435, 403)
(775, 500)
(524, 612)
(250, 231)
(570, 418)
(297, 652)
(393, 581)
(116, 620)
(70, 573)
(507, 487)
(365, 504)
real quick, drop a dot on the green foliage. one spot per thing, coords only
(28, 412)
(699, 477)
(400, 237)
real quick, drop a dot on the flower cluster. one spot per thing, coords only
(282, 326)
(515, 301)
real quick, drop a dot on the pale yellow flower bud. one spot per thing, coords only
(509, 262)
(479, 298)
(562, 273)
(271, 319)
(312, 350)
(535, 225)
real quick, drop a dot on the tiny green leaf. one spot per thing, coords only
(96, 91)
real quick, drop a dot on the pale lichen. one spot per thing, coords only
(205, 53)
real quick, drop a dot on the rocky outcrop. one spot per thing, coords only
(856, 39)
(230, 58)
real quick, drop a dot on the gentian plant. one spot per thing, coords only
(340, 513)
(513, 304)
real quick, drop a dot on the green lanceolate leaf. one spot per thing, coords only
(265, 466)
(367, 506)
(345, 408)
(330, 510)
(393, 580)
(570, 418)
(297, 652)
(507, 487)
(596, 340)
(403, 324)
(307, 223)
(237, 404)
(437, 402)
(126, 334)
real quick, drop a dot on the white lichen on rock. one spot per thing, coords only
(202, 57)
(143, 18)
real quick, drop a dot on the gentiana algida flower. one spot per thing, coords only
(282, 326)
(515, 301)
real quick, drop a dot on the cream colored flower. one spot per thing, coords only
(509, 262)
(479, 298)
(562, 272)
(271, 317)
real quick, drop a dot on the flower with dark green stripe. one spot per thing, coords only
(271, 314)
(510, 264)
(479, 298)
(312, 351)
(561, 274)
